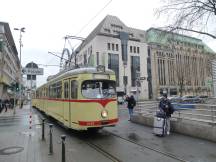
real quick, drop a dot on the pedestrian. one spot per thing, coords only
(131, 103)
(21, 103)
(166, 108)
(5, 104)
(1, 105)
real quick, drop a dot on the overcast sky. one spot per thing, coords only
(48, 21)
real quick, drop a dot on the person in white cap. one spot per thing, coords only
(166, 107)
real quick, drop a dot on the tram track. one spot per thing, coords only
(102, 151)
(113, 158)
(148, 147)
(90, 144)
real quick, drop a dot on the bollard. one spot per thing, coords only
(30, 120)
(43, 129)
(50, 143)
(63, 137)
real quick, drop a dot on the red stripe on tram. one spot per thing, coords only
(97, 123)
(103, 102)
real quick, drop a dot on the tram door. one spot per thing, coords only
(66, 103)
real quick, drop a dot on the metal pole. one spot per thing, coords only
(20, 41)
(43, 129)
(63, 137)
(212, 113)
(50, 143)
(31, 91)
(14, 105)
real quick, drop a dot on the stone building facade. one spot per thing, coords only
(9, 61)
(178, 64)
(120, 48)
(148, 63)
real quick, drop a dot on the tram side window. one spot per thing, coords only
(59, 90)
(55, 90)
(74, 89)
(66, 90)
(51, 91)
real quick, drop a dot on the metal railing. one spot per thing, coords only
(196, 112)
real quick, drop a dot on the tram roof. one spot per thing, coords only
(84, 70)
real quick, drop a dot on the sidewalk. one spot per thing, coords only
(18, 143)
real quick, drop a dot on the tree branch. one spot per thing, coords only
(191, 30)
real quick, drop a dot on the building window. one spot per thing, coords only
(113, 46)
(117, 47)
(138, 50)
(131, 49)
(98, 59)
(108, 46)
(116, 26)
(85, 59)
(113, 64)
(135, 69)
(107, 30)
(134, 49)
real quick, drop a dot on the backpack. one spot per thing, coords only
(166, 106)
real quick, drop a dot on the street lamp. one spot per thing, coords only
(22, 30)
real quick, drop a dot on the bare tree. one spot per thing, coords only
(197, 16)
(181, 79)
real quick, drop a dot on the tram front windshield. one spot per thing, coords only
(99, 89)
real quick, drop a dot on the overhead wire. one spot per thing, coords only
(72, 47)
(47, 65)
(94, 17)
(91, 20)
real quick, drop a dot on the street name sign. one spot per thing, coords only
(33, 71)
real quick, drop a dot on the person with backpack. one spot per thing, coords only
(166, 108)
(131, 104)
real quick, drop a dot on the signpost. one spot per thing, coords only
(31, 71)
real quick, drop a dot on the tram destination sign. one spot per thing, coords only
(33, 71)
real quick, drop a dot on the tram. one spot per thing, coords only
(81, 99)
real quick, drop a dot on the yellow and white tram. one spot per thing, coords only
(80, 98)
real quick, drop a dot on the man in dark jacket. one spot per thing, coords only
(131, 104)
(166, 107)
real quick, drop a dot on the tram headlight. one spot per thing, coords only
(104, 113)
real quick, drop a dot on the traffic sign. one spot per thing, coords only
(32, 71)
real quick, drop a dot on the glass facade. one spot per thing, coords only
(135, 69)
(113, 64)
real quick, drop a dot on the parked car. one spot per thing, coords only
(203, 98)
(191, 99)
(175, 99)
